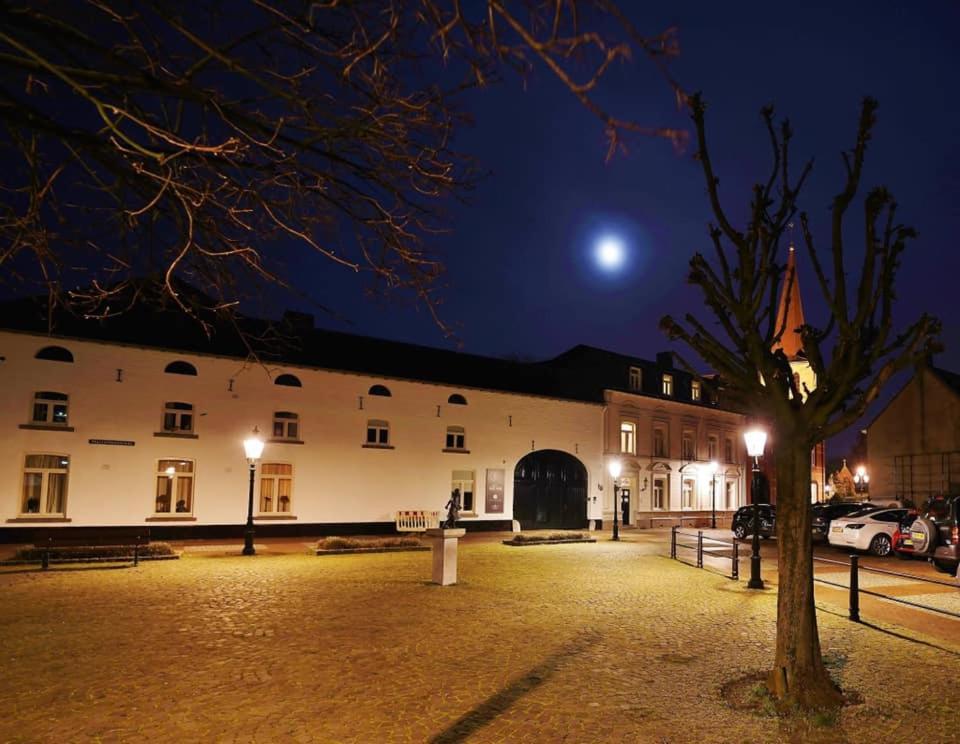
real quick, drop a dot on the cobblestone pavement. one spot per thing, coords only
(575, 643)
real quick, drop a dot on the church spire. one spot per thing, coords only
(790, 311)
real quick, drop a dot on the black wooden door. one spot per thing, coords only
(550, 491)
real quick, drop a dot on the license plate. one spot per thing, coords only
(836, 529)
(907, 541)
(917, 536)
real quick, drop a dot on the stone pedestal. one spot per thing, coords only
(445, 554)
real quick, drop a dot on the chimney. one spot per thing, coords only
(665, 359)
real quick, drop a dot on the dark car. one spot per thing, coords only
(824, 513)
(901, 540)
(936, 535)
(742, 525)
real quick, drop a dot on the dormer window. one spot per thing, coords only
(635, 380)
(666, 384)
(696, 390)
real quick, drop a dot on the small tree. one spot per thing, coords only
(853, 355)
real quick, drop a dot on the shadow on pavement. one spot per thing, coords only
(497, 704)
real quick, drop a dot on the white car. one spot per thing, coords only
(870, 529)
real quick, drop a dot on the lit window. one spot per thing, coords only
(628, 438)
(462, 481)
(686, 493)
(178, 418)
(378, 434)
(659, 442)
(687, 450)
(695, 390)
(286, 425)
(659, 493)
(456, 438)
(45, 484)
(50, 408)
(276, 487)
(636, 378)
(728, 450)
(667, 384)
(174, 487)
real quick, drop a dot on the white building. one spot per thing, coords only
(141, 420)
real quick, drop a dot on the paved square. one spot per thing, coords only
(576, 643)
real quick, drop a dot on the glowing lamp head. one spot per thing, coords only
(615, 467)
(253, 445)
(610, 252)
(756, 440)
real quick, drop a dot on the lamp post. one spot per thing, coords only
(861, 480)
(253, 447)
(615, 467)
(712, 469)
(755, 440)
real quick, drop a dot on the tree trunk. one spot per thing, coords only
(799, 677)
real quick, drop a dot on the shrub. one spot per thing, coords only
(344, 543)
(94, 552)
(522, 538)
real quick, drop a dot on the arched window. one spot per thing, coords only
(54, 354)
(288, 381)
(380, 390)
(457, 400)
(180, 368)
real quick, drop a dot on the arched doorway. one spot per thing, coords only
(550, 491)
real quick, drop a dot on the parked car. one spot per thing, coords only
(823, 514)
(869, 529)
(742, 524)
(902, 543)
(936, 535)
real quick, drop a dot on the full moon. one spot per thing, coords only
(610, 253)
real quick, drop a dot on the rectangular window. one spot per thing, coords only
(636, 378)
(45, 484)
(378, 433)
(276, 487)
(695, 390)
(628, 438)
(286, 425)
(667, 384)
(178, 418)
(686, 493)
(174, 487)
(659, 442)
(713, 447)
(731, 491)
(50, 408)
(728, 450)
(456, 438)
(462, 482)
(687, 449)
(660, 493)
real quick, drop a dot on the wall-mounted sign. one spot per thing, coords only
(114, 442)
(494, 500)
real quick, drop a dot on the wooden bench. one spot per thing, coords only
(90, 537)
(417, 520)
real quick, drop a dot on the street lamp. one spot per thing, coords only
(253, 447)
(861, 480)
(755, 440)
(615, 467)
(712, 469)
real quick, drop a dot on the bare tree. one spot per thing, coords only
(209, 141)
(852, 356)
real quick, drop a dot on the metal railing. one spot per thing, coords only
(699, 548)
(855, 591)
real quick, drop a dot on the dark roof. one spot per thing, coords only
(582, 373)
(950, 379)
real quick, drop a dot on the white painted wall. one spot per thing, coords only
(335, 478)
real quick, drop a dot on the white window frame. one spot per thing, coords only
(688, 490)
(660, 483)
(713, 447)
(175, 408)
(628, 438)
(730, 494)
(456, 439)
(461, 483)
(381, 437)
(688, 453)
(666, 384)
(696, 390)
(275, 479)
(285, 420)
(663, 451)
(174, 476)
(50, 400)
(729, 450)
(635, 379)
(44, 473)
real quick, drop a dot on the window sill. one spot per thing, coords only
(377, 446)
(456, 451)
(285, 441)
(46, 427)
(175, 435)
(39, 518)
(272, 517)
(171, 518)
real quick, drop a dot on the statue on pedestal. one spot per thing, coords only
(453, 510)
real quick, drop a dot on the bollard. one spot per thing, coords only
(855, 588)
(136, 555)
(45, 560)
(699, 548)
(735, 574)
(673, 542)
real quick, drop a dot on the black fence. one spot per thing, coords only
(699, 549)
(855, 591)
